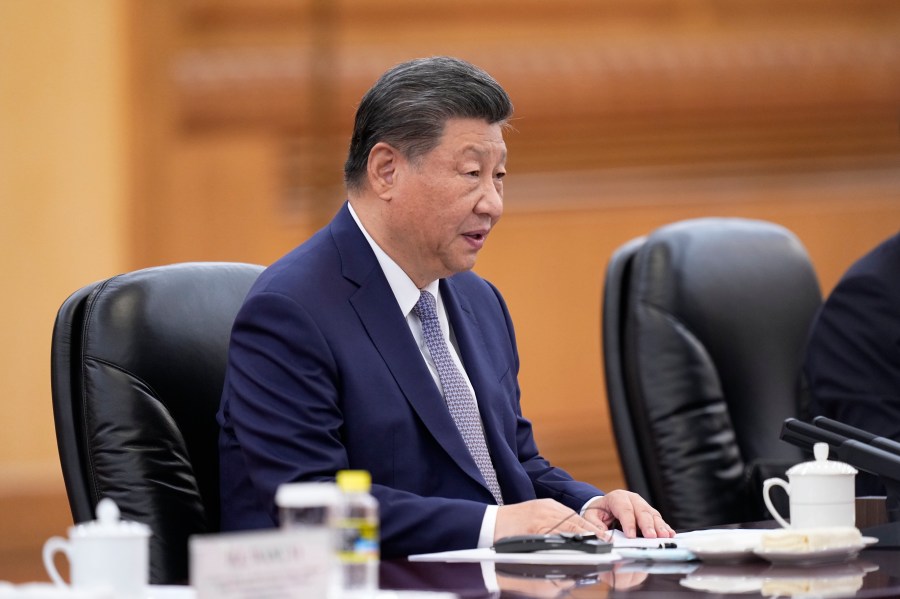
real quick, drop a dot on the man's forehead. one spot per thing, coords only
(473, 135)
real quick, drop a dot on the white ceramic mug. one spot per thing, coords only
(822, 493)
(104, 554)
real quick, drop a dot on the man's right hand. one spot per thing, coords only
(540, 516)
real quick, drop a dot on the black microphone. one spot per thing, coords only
(851, 432)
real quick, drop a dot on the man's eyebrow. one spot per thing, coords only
(481, 150)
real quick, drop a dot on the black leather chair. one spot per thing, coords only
(137, 367)
(704, 326)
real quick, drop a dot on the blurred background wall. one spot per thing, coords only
(64, 179)
(137, 133)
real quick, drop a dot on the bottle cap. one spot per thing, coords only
(309, 494)
(354, 481)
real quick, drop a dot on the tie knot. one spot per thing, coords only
(425, 307)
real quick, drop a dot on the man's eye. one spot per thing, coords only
(474, 173)
(500, 175)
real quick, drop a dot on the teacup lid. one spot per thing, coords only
(821, 465)
(108, 524)
(307, 494)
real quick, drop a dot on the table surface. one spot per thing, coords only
(873, 573)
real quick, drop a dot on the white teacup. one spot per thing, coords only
(104, 554)
(822, 493)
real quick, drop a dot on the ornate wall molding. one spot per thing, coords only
(272, 85)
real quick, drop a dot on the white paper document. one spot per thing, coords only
(537, 557)
(639, 548)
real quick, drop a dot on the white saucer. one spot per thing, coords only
(722, 549)
(806, 558)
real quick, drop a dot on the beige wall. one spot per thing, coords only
(62, 180)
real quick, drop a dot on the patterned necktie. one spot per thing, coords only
(459, 399)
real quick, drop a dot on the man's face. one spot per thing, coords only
(446, 201)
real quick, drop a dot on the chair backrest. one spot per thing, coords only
(704, 327)
(137, 369)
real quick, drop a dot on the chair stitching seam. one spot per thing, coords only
(124, 371)
(84, 329)
(93, 470)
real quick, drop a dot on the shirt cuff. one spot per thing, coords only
(488, 524)
(587, 504)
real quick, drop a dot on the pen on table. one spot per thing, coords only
(669, 545)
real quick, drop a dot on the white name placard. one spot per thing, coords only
(275, 564)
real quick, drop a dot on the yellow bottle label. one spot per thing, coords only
(359, 540)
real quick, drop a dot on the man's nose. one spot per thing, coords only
(491, 202)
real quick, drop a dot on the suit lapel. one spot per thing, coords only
(377, 308)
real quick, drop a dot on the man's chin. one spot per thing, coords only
(465, 265)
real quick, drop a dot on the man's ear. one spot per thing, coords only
(382, 169)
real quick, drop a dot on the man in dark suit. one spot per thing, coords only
(853, 358)
(373, 346)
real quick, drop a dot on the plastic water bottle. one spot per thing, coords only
(358, 553)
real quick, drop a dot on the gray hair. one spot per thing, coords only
(409, 105)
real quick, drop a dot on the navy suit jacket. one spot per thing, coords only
(324, 374)
(853, 358)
